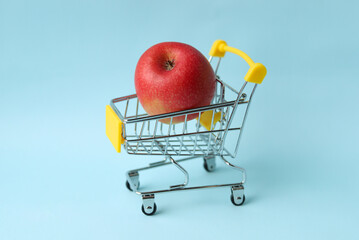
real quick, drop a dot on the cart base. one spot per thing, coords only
(149, 206)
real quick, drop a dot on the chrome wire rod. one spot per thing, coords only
(237, 168)
(244, 120)
(186, 180)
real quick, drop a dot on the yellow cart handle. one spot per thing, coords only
(256, 72)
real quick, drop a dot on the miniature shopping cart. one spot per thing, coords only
(216, 132)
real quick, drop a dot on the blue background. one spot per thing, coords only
(62, 61)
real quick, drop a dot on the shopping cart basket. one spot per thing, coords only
(129, 125)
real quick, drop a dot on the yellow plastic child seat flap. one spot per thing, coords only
(114, 128)
(206, 119)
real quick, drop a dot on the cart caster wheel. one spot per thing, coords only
(238, 203)
(207, 168)
(209, 164)
(128, 186)
(149, 211)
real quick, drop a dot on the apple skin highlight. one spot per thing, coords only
(173, 76)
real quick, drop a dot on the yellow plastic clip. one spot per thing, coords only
(217, 49)
(114, 128)
(206, 119)
(256, 72)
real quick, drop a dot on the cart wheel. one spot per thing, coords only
(149, 213)
(205, 165)
(128, 186)
(209, 164)
(238, 204)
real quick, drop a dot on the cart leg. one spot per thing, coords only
(209, 163)
(149, 206)
(186, 179)
(237, 168)
(237, 195)
(132, 182)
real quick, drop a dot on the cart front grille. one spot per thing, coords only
(202, 144)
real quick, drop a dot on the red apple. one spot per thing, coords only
(173, 76)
